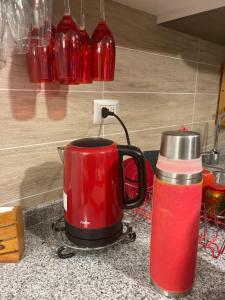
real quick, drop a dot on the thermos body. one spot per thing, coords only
(177, 193)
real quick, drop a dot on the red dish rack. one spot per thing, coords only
(212, 232)
(212, 229)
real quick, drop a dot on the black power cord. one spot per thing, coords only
(106, 112)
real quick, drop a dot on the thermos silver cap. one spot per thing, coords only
(180, 145)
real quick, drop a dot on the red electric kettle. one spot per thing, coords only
(94, 196)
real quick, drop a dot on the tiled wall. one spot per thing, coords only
(164, 79)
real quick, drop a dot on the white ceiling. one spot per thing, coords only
(171, 9)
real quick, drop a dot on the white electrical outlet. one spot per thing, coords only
(112, 105)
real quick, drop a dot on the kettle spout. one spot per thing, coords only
(61, 153)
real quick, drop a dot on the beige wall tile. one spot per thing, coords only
(140, 31)
(15, 76)
(141, 72)
(145, 140)
(36, 200)
(150, 139)
(141, 111)
(208, 79)
(211, 53)
(221, 140)
(206, 129)
(28, 118)
(205, 107)
(221, 144)
(42, 198)
(29, 171)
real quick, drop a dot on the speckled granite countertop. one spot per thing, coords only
(117, 273)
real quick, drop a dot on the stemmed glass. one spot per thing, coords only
(104, 50)
(19, 19)
(41, 62)
(33, 61)
(41, 22)
(87, 49)
(68, 49)
(47, 62)
(40, 56)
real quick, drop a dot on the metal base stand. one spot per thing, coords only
(69, 249)
(170, 294)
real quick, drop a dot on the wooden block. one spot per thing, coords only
(221, 104)
(8, 232)
(8, 246)
(20, 229)
(11, 235)
(8, 218)
(10, 257)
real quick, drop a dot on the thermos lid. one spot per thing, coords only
(180, 145)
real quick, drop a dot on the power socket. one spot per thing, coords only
(112, 105)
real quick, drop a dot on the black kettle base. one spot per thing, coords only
(94, 243)
(71, 245)
(93, 238)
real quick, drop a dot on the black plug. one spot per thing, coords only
(106, 112)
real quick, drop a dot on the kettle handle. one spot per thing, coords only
(139, 159)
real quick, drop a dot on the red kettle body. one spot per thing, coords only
(94, 190)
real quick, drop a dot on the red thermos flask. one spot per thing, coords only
(177, 193)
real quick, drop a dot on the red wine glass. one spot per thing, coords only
(87, 49)
(104, 50)
(40, 55)
(32, 59)
(68, 49)
(41, 59)
(47, 63)
(42, 20)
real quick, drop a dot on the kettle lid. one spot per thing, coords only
(91, 142)
(183, 145)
